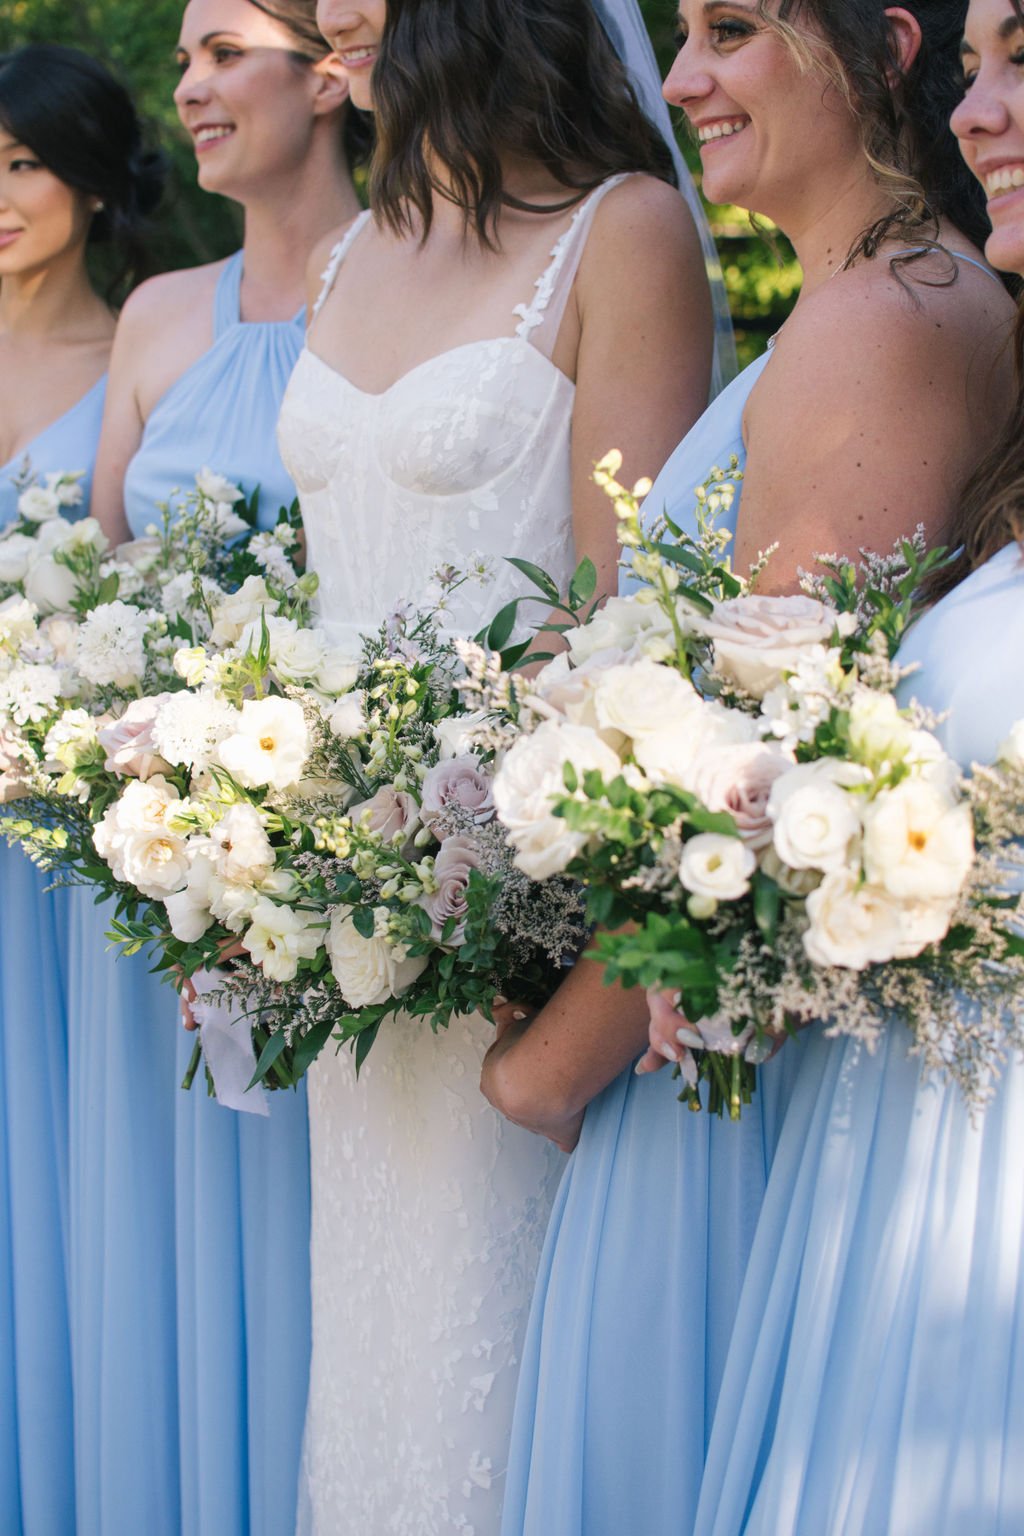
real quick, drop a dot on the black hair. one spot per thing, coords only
(80, 122)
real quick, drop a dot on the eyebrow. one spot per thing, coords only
(1005, 30)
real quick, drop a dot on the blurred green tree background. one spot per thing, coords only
(137, 37)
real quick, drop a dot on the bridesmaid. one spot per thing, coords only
(191, 1255)
(876, 1378)
(73, 176)
(838, 133)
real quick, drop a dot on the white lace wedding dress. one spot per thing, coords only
(429, 1210)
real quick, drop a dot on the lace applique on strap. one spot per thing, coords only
(569, 244)
(334, 261)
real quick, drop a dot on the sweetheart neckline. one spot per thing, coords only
(463, 346)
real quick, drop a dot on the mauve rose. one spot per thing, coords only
(458, 858)
(738, 778)
(128, 741)
(756, 639)
(390, 812)
(12, 785)
(459, 783)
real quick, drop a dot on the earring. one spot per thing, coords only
(98, 205)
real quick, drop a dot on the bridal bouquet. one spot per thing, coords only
(767, 834)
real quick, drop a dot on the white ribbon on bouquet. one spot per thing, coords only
(227, 1048)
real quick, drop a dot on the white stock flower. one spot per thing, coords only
(918, 842)
(270, 744)
(279, 938)
(112, 644)
(757, 639)
(817, 818)
(66, 486)
(178, 596)
(369, 970)
(190, 727)
(531, 776)
(851, 924)
(238, 609)
(38, 505)
(716, 867)
(266, 550)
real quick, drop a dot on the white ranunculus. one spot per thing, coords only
(530, 778)
(279, 937)
(918, 842)
(757, 639)
(851, 924)
(1011, 753)
(270, 745)
(454, 736)
(879, 734)
(241, 608)
(738, 778)
(639, 698)
(17, 551)
(369, 970)
(52, 587)
(817, 818)
(716, 867)
(241, 848)
(38, 505)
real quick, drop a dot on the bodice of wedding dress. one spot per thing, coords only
(429, 1210)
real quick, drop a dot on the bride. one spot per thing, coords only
(528, 292)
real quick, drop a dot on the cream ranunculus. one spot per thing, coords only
(369, 970)
(716, 867)
(918, 843)
(38, 505)
(757, 639)
(816, 817)
(852, 925)
(270, 745)
(531, 777)
(279, 937)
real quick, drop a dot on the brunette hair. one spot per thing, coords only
(458, 84)
(299, 18)
(71, 112)
(904, 116)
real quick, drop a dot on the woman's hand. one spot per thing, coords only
(512, 1020)
(229, 950)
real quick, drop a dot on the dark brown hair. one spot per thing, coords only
(459, 84)
(299, 18)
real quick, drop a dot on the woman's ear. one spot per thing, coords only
(904, 39)
(331, 86)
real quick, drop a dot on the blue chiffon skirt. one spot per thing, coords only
(36, 1436)
(875, 1382)
(631, 1322)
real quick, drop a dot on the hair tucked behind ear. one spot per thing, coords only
(80, 122)
(461, 84)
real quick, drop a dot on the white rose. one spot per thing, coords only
(50, 586)
(563, 692)
(38, 505)
(669, 755)
(156, 863)
(879, 734)
(1011, 753)
(638, 699)
(817, 819)
(622, 624)
(918, 843)
(347, 716)
(241, 608)
(530, 777)
(270, 745)
(279, 938)
(295, 654)
(338, 670)
(216, 488)
(716, 867)
(757, 639)
(851, 925)
(370, 970)
(454, 736)
(739, 778)
(17, 552)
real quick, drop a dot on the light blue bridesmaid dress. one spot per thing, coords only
(876, 1379)
(191, 1249)
(36, 1446)
(646, 1251)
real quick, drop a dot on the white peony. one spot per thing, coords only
(369, 970)
(816, 817)
(918, 843)
(851, 924)
(269, 746)
(279, 937)
(757, 639)
(716, 867)
(531, 777)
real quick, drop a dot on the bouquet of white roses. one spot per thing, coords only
(769, 835)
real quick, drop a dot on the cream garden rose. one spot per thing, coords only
(757, 639)
(370, 970)
(716, 867)
(531, 776)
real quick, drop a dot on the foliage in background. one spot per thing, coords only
(136, 38)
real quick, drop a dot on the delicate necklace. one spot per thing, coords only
(773, 338)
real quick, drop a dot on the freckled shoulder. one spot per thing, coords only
(161, 303)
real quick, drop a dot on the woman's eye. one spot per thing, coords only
(225, 55)
(730, 30)
(24, 164)
(1018, 57)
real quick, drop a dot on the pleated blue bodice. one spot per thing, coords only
(67, 444)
